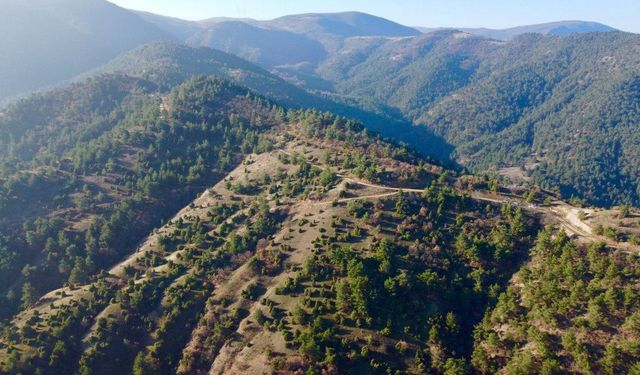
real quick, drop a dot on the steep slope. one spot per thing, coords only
(168, 64)
(417, 71)
(502, 105)
(574, 111)
(534, 101)
(560, 28)
(87, 169)
(46, 42)
(508, 106)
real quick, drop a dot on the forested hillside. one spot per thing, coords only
(130, 173)
(564, 108)
(168, 64)
(572, 310)
(208, 230)
(558, 108)
(84, 164)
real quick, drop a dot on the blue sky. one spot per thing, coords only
(622, 14)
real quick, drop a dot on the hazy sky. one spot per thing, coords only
(622, 14)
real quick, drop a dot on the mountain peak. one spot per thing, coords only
(345, 24)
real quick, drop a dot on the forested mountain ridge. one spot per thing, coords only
(309, 244)
(499, 104)
(258, 223)
(96, 157)
(167, 64)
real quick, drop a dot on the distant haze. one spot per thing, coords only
(496, 14)
(47, 42)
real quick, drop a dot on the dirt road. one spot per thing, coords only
(559, 212)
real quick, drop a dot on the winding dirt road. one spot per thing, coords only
(559, 212)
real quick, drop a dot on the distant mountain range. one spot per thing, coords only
(63, 38)
(562, 28)
(299, 41)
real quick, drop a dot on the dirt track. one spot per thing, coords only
(560, 213)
